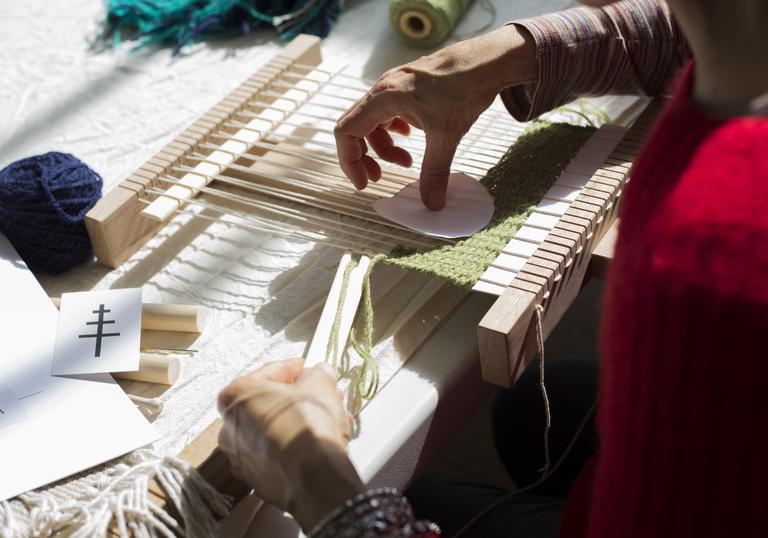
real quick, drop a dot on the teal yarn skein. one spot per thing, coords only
(183, 22)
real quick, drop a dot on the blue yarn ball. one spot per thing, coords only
(43, 202)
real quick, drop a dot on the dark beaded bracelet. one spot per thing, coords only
(375, 513)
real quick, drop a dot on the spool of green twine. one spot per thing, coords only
(426, 23)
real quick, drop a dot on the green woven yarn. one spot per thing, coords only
(444, 14)
(518, 182)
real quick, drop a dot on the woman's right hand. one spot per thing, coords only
(442, 94)
(285, 433)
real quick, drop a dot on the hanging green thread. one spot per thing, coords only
(332, 351)
(369, 371)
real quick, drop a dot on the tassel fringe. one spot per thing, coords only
(86, 508)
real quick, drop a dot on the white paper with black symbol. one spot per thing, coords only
(98, 331)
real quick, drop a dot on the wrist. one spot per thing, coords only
(325, 479)
(516, 63)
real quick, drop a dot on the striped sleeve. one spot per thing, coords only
(630, 47)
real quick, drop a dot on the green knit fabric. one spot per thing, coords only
(517, 183)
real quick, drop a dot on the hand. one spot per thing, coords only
(285, 433)
(442, 94)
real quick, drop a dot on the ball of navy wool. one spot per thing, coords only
(43, 202)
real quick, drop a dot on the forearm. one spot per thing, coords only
(631, 47)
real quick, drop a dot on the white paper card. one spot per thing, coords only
(71, 423)
(468, 209)
(11, 410)
(99, 331)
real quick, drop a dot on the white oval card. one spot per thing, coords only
(468, 209)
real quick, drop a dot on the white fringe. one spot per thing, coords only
(85, 510)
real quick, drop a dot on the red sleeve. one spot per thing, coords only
(631, 47)
(684, 381)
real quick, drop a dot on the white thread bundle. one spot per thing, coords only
(85, 508)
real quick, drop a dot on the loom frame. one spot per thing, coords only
(552, 277)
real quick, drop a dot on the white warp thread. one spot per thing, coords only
(86, 507)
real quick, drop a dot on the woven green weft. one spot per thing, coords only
(517, 183)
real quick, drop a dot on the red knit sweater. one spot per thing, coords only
(683, 410)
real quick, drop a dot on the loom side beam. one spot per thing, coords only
(507, 333)
(115, 224)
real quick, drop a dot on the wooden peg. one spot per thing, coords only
(168, 317)
(174, 317)
(154, 368)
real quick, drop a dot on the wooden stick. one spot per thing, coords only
(168, 317)
(154, 368)
(318, 348)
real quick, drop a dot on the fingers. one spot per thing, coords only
(321, 378)
(350, 132)
(286, 372)
(320, 382)
(399, 126)
(384, 146)
(435, 169)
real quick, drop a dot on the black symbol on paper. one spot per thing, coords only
(99, 327)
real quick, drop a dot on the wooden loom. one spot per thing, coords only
(263, 159)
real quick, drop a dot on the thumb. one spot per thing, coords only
(435, 168)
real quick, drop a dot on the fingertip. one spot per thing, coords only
(357, 173)
(225, 399)
(360, 183)
(372, 168)
(402, 157)
(400, 126)
(434, 200)
(328, 370)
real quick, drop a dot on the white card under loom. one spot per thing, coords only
(468, 209)
(68, 423)
(11, 410)
(99, 332)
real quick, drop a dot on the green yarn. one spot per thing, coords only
(333, 339)
(443, 14)
(518, 182)
(368, 378)
(368, 382)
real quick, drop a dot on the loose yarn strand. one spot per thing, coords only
(332, 350)
(537, 483)
(542, 386)
(369, 371)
